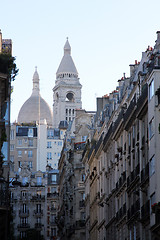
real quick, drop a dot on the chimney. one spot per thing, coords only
(132, 69)
(158, 36)
(157, 45)
(0, 41)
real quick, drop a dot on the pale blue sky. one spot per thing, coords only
(105, 37)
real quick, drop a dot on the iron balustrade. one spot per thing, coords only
(98, 143)
(145, 211)
(145, 173)
(133, 210)
(108, 134)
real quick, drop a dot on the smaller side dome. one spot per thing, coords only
(35, 108)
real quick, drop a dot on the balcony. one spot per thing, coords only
(70, 230)
(79, 146)
(24, 198)
(119, 121)
(129, 115)
(38, 198)
(38, 213)
(133, 177)
(107, 136)
(91, 151)
(155, 228)
(80, 224)
(23, 226)
(52, 195)
(38, 226)
(98, 143)
(121, 213)
(142, 99)
(145, 211)
(23, 213)
(143, 143)
(133, 211)
(121, 181)
(145, 174)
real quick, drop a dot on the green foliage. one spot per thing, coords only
(8, 65)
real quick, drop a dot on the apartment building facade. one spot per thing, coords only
(8, 72)
(122, 164)
(71, 214)
(34, 203)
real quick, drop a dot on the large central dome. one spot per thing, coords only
(35, 108)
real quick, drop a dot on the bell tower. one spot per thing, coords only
(67, 89)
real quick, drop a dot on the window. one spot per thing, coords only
(59, 154)
(38, 220)
(84, 138)
(24, 208)
(152, 166)
(54, 177)
(151, 128)
(53, 189)
(30, 142)
(83, 196)
(83, 177)
(12, 147)
(66, 111)
(23, 235)
(30, 164)
(24, 180)
(12, 135)
(53, 218)
(153, 199)
(19, 153)
(53, 232)
(30, 153)
(39, 180)
(49, 145)
(30, 132)
(38, 208)
(49, 155)
(50, 133)
(83, 215)
(19, 142)
(23, 194)
(151, 89)
(60, 143)
(19, 164)
(12, 158)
